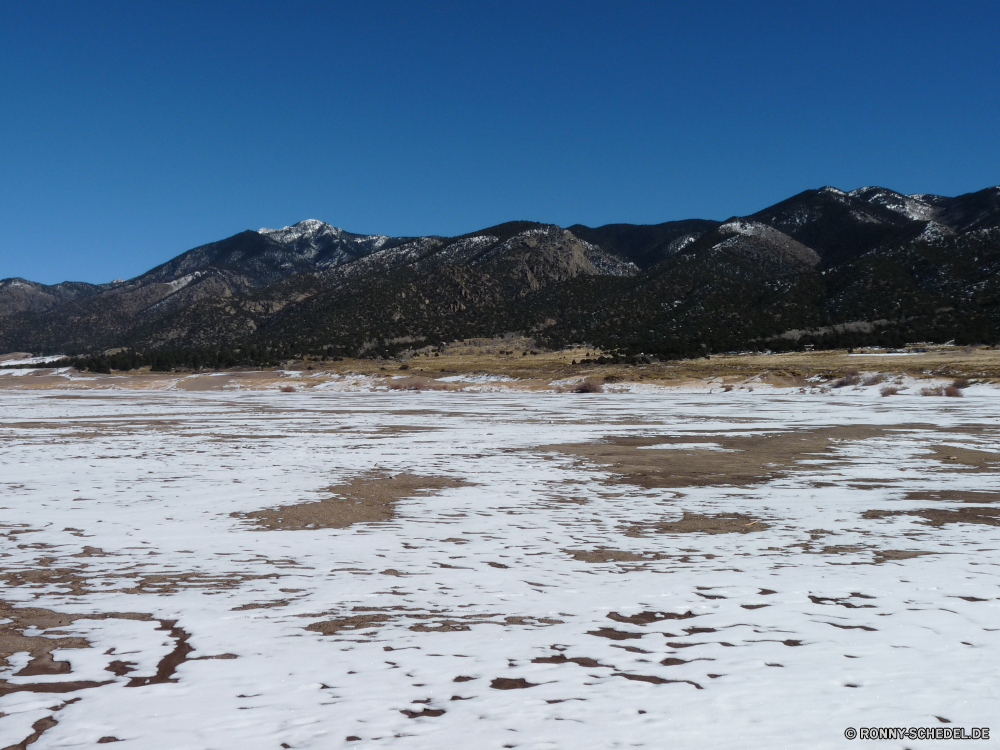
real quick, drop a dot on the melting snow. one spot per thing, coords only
(520, 610)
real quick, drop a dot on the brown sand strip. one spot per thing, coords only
(954, 496)
(645, 618)
(939, 516)
(169, 663)
(367, 499)
(977, 460)
(731, 460)
(38, 728)
(695, 523)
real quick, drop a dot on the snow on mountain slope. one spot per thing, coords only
(756, 237)
(914, 207)
(325, 244)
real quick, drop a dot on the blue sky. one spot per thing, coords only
(130, 131)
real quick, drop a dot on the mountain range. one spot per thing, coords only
(827, 267)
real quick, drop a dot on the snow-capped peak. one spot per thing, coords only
(307, 228)
(914, 207)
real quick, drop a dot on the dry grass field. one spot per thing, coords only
(518, 365)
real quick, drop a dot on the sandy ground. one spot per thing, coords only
(364, 567)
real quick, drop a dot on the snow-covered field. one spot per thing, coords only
(738, 570)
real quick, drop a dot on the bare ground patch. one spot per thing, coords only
(696, 523)
(954, 496)
(367, 619)
(13, 640)
(725, 459)
(986, 515)
(369, 498)
(602, 555)
(78, 582)
(972, 458)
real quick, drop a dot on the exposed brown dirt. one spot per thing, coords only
(19, 619)
(652, 679)
(583, 661)
(614, 635)
(954, 496)
(887, 555)
(645, 618)
(44, 664)
(169, 663)
(726, 459)
(38, 728)
(351, 622)
(506, 683)
(608, 555)
(987, 515)
(369, 498)
(695, 523)
(409, 713)
(427, 622)
(977, 460)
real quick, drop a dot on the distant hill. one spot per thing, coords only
(824, 266)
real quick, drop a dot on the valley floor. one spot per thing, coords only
(514, 569)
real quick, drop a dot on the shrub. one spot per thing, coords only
(287, 389)
(952, 391)
(873, 379)
(960, 383)
(938, 391)
(847, 380)
(889, 390)
(590, 385)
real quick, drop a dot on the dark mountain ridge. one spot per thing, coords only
(865, 265)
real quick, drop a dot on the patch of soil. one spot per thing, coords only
(169, 663)
(506, 683)
(353, 622)
(44, 664)
(645, 618)
(426, 712)
(842, 601)
(430, 622)
(696, 523)
(614, 635)
(938, 517)
(70, 686)
(886, 555)
(742, 460)
(671, 661)
(652, 679)
(607, 555)
(367, 499)
(262, 605)
(120, 668)
(38, 728)
(954, 496)
(977, 460)
(19, 619)
(583, 661)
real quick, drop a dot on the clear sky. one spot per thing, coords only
(132, 131)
